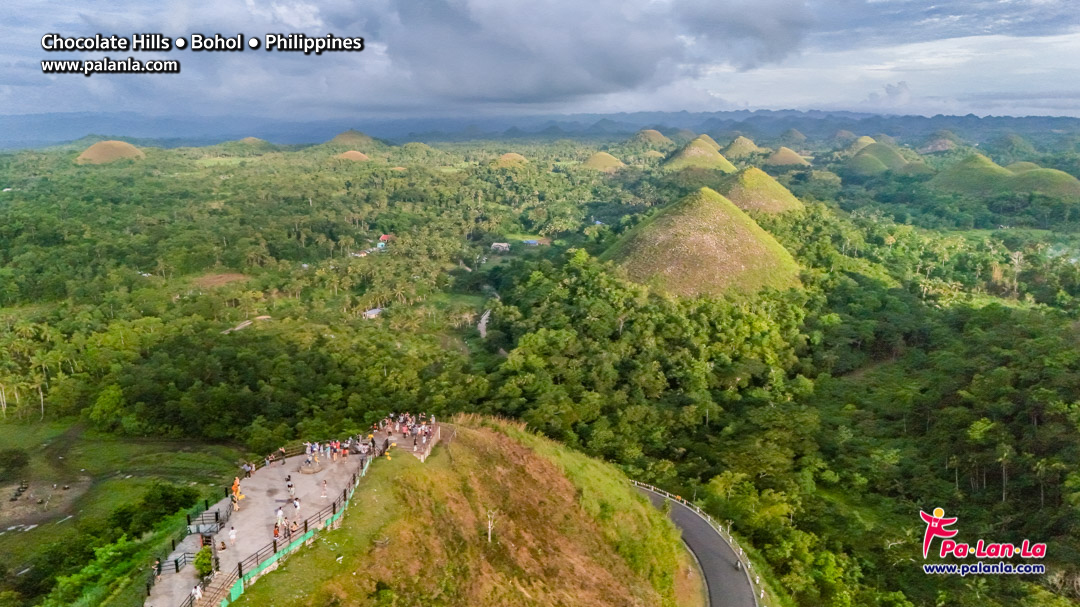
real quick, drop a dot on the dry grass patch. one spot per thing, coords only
(209, 281)
(104, 152)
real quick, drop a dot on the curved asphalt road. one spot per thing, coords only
(727, 585)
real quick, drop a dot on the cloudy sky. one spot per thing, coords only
(466, 57)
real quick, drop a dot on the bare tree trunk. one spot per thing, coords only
(491, 523)
(41, 397)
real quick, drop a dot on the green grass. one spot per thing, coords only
(704, 244)
(222, 161)
(73, 453)
(651, 137)
(602, 161)
(977, 175)
(699, 154)
(754, 189)
(742, 147)
(786, 157)
(374, 507)
(570, 530)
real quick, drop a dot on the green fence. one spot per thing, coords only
(253, 566)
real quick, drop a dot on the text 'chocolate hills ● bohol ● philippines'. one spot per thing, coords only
(704, 245)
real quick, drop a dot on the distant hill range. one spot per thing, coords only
(785, 127)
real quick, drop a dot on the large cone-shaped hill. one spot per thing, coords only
(742, 147)
(709, 140)
(792, 137)
(650, 138)
(786, 157)
(698, 154)
(876, 158)
(941, 141)
(752, 189)
(104, 152)
(354, 156)
(860, 143)
(977, 175)
(604, 162)
(510, 160)
(704, 245)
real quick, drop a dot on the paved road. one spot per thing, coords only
(727, 585)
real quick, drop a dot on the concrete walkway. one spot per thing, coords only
(264, 492)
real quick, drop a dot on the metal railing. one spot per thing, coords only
(223, 589)
(756, 588)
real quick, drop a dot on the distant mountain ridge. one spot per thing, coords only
(37, 130)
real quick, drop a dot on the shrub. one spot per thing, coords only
(204, 562)
(12, 463)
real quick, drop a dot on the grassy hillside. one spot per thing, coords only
(511, 160)
(568, 530)
(742, 147)
(709, 140)
(704, 244)
(875, 158)
(354, 156)
(977, 175)
(860, 143)
(650, 137)
(754, 189)
(1020, 167)
(699, 154)
(104, 152)
(602, 161)
(786, 157)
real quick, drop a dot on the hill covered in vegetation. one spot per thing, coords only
(566, 530)
(104, 152)
(786, 157)
(699, 154)
(704, 245)
(742, 147)
(752, 189)
(604, 162)
(977, 175)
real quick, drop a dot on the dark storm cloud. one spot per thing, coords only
(499, 51)
(747, 33)
(460, 56)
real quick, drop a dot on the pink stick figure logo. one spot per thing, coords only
(935, 527)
